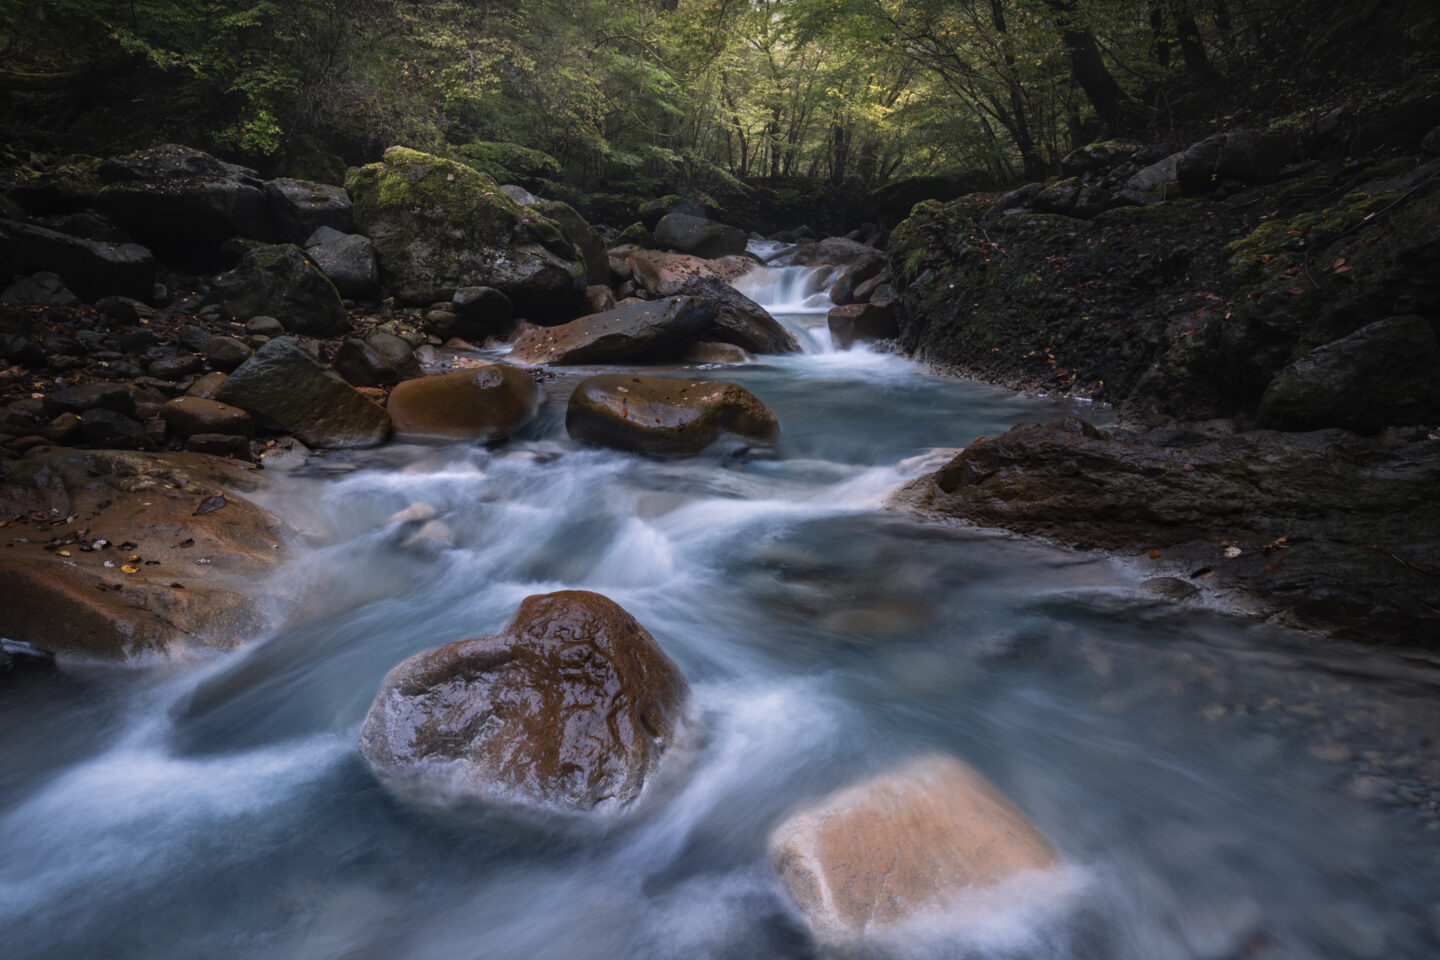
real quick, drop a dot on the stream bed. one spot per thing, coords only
(1221, 788)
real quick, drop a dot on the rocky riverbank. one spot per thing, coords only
(1259, 308)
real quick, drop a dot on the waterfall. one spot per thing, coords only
(798, 297)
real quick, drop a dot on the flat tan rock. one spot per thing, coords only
(916, 839)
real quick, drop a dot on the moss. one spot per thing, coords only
(55, 184)
(490, 156)
(1271, 236)
(432, 189)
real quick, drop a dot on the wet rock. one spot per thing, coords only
(207, 386)
(204, 592)
(221, 445)
(630, 333)
(300, 207)
(666, 274)
(922, 838)
(175, 368)
(21, 351)
(637, 235)
(190, 415)
(584, 237)
(1381, 375)
(713, 351)
(91, 268)
(1059, 197)
(479, 314)
(740, 320)
(64, 429)
(41, 289)
(653, 211)
(666, 417)
(280, 281)
(1326, 530)
(1099, 157)
(1196, 168)
(108, 430)
(225, 353)
(861, 322)
(832, 252)
(598, 299)
(568, 710)
(183, 203)
(1252, 156)
(440, 225)
(119, 397)
(348, 260)
(487, 402)
(286, 389)
(264, 326)
(378, 360)
(699, 237)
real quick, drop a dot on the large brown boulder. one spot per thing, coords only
(918, 839)
(185, 416)
(489, 401)
(569, 709)
(630, 333)
(667, 417)
(146, 557)
(739, 320)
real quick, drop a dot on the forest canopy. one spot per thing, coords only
(638, 96)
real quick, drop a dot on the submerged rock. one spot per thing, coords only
(568, 710)
(133, 568)
(486, 402)
(916, 840)
(662, 416)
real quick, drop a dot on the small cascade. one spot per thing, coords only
(798, 297)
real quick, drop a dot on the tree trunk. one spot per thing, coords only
(1088, 67)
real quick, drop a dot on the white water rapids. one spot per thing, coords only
(1220, 788)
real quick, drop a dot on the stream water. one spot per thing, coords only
(1222, 789)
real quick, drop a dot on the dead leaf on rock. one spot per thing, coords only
(210, 505)
(127, 568)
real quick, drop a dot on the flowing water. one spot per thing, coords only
(1220, 788)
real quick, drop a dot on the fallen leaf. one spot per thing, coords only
(1232, 552)
(64, 553)
(1154, 554)
(129, 569)
(210, 505)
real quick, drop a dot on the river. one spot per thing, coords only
(1220, 788)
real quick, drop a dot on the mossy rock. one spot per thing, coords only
(439, 225)
(56, 185)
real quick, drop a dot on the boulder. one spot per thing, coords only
(188, 415)
(698, 236)
(43, 289)
(287, 390)
(1383, 374)
(1320, 518)
(439, 225)
(830, 252)
(278, 280)
(119, 397)
(378, 360)
(713, 351)
(1059, 197)
(629, 333)
(1153, 180)
(653, 211)
(519, 194)
(1099, 157)
(740, 320)
(1252, 156)
(637, 235)
(923, 838)
(598, 299)
(91, 268)
(201, 588)
(348, 260)
(226, 353)
(844, 290)
(666, 274)
(300, 207)
(1196, 167)
(583, 236)
(862, 322)
(108, 430)
(486, 402)
(568, 710)
(183, 203)
(481, 313)
(664, 416)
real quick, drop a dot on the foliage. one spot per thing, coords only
(682, 94)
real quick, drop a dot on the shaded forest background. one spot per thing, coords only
(803, 103)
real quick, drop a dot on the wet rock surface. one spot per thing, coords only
(634, 333)
(568, 710)
(488, 402)
(116, 554)
(664, 416)
(909, 842)
(1326, 530)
